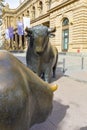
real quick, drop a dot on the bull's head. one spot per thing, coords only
(39, 37)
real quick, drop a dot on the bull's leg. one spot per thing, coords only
(54, 71)
(55, 66)
(47, 75)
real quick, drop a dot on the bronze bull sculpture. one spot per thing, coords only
(25, 99)
(41, 56)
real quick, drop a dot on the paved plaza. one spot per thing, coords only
(70, 100)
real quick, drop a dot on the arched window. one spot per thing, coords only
(65, 22)
(23, 15)
(27, 13)
(65, 34)
(19, 18)
(33, 12)
(40, 7)
(50, 2)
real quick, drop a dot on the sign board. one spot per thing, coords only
(26, 22)
(20, 28)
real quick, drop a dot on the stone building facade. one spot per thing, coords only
(68, 16)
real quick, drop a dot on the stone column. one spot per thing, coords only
(26, 44)
(6, 22)
(16, 41)
(11, 43)
(20, 43)
(9, 24)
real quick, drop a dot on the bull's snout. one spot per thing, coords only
(39, 50)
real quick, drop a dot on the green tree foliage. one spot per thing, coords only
(2, 3)
(1, 7)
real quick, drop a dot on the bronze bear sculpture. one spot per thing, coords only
(25, 99)
(41, 56)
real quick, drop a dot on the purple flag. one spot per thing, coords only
(10, 32)
(20, 28)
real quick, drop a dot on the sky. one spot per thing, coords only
(12, 3)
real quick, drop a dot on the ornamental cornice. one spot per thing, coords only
(41, 17)
(61, 5)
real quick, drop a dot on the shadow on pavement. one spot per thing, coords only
(59, 74)
(83, 128)
(53, 121)
(58, 114)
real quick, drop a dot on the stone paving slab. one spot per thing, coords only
(79, 75)
(69, 107)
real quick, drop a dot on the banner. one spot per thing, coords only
(10, 32)
(20, 28)
(26, 22)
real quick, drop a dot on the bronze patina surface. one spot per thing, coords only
(25, 99)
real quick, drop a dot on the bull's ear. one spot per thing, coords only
(28, 30)
(50, 30)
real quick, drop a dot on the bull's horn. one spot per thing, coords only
(28, 30)
(54, 87)
(50, 30)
